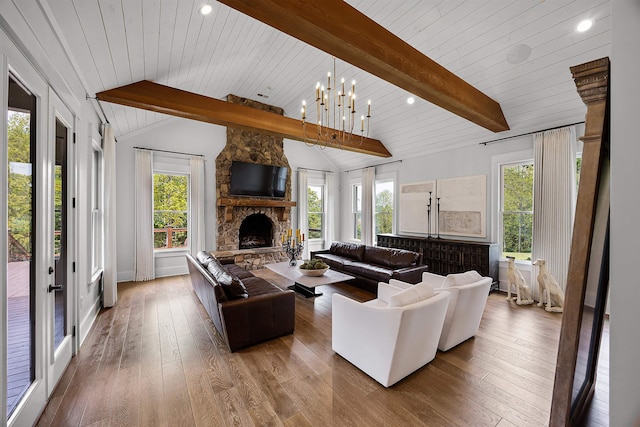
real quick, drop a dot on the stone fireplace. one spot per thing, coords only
(248, 228)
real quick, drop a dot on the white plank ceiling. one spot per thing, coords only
(117, 42)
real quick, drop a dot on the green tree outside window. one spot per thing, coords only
(19, 180)
(517, 210)
(170, 211)
(357, 211)
(315, 211)
(384, 207)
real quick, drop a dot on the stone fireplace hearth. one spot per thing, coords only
(251, 245)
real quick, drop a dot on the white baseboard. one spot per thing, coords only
(125, 276)
(172, 271)
(88, 320)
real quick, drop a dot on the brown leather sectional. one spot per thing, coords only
(245, 309)
(373, 264)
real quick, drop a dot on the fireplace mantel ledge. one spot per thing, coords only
(228, 203)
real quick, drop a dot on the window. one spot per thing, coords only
(578, 170)
(96, 209)
(516, 209)
(356, 209)
(384, 206)
(170, 211)
(315, 211)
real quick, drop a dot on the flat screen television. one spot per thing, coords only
(253, 179)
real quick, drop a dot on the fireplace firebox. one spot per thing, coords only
(256, 231)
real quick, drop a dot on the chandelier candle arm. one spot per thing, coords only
(335, 115)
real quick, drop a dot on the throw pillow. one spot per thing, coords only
(204, 258)
(419, 292)
(460, 279)
(231, 285)
(399, 284)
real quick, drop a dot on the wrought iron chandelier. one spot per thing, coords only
(335, 115)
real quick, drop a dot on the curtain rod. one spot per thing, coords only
(168, 151)
(99, 105)
(373, 166)
(315, 170)
(529, 133)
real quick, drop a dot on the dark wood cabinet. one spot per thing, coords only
(444, 256)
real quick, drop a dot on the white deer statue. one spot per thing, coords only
(549, 286)
(514, 277)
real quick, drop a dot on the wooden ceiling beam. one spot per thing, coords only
(337, 28)
(164, 99)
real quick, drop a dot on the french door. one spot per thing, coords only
(60, 285)
(24, 136)
(37, 177)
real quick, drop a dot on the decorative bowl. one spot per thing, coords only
(313, 273)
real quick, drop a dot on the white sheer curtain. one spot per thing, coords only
(143, 261)
(110, 285)
(303, 222)
(331, 215)
(554, 166)
(368, 207)
(196, 199)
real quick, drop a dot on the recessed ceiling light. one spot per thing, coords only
(518, 53)
(584, 25)
(206, 9)
(411, 100)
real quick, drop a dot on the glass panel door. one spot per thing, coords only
(21, 141)
(61, 286)
(24, 185)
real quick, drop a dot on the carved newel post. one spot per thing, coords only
(592, 82)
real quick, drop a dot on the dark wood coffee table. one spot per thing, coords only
(306, 285)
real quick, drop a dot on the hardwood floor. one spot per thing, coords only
(155, 360)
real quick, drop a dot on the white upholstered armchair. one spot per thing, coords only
(469, 292)
(392, 336)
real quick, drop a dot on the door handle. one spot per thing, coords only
(51, 270)
(55, 288)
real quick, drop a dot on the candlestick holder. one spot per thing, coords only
(438, 219)
(292, 250)
(429, 216)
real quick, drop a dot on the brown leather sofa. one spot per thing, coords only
(373, 264)
(245, 309)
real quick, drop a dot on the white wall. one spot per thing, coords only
(192, 137)
(468, 161)
(624, 347)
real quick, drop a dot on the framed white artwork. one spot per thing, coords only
(414, 207)
(461, 206)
